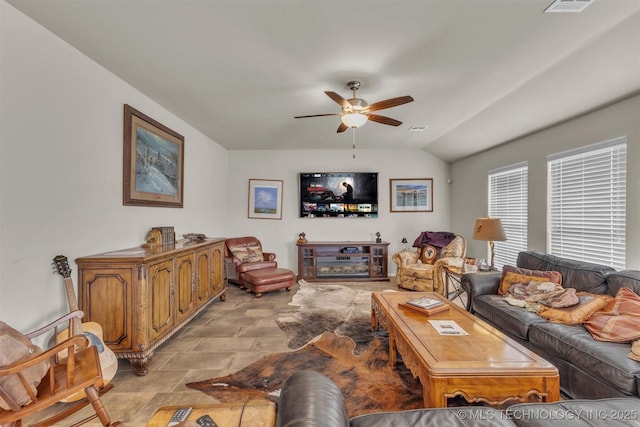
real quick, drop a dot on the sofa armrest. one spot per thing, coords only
(269, 256)
(310, 399)
(476, 284)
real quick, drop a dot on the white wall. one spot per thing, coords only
(280, 236)
(61, 176)
(61, 140)
(469, 188)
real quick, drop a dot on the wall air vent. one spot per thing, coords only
(568, 6)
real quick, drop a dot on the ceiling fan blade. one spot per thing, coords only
(342, 128)
(339, 100)
(318, 115)
(388, 103)
(384, 120)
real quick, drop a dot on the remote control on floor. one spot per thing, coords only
(179, 416)
(206, 421)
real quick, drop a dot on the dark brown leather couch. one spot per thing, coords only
(310, 399)
(589, 369)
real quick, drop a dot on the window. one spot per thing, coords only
(508, 201)
(587, 203)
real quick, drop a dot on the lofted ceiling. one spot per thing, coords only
(482, 72)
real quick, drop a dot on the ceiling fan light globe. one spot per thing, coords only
(354, 120)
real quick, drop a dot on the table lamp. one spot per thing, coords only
(404, 244)
(489, 229)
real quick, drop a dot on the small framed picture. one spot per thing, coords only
(265, 199)
(411, 195)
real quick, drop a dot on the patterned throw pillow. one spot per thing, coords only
(579, 313)
(249, 253)
(512, 275)
(619, 320)
(428, 254)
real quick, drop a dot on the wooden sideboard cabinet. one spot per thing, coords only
(340, 261)
(141, 297)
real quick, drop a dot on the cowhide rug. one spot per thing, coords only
(366, 380)
(328, 307)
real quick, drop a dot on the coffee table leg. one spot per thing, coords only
(392, 350)
(433, 392)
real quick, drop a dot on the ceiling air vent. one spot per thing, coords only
(568, 6)
(418, 128)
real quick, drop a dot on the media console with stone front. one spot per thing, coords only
(342, 261)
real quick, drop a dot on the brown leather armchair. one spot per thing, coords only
(243, 254)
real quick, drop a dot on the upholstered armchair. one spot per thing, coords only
(243, 254)
(424, 269)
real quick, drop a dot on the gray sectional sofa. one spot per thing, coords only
(589, 369)
(310, 399)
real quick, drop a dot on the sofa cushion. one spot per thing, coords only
(577, 314)
(434, 417)
(612, 412)
(16, 347)
(536, 260)
(606, 361)
(512, 275)
(583, 276)
(624, 279)
(619, 321)
(514, 321)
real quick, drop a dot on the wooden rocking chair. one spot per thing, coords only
(74, 366)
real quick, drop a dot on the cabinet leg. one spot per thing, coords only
(223, 297)
(141, 366)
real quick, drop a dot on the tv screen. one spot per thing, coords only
(339, 194)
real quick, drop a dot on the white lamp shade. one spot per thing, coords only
(354, 120)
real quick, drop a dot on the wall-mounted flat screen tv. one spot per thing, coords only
(339, 194)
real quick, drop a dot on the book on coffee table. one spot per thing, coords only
(425, 305)
(425, 302)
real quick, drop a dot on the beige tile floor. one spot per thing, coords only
(226, 337)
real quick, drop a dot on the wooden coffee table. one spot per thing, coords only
(483, 366)
(258, 413)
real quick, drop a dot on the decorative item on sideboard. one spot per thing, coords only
(160, 236)
(302, 238)
(378, 239)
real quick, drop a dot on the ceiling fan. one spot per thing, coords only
(356, 111)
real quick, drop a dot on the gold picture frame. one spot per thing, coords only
(153, 172)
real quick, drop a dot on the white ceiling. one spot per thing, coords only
(482, 72)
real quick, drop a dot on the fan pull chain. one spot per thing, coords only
(354, 142)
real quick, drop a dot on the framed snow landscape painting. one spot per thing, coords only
(153, 162)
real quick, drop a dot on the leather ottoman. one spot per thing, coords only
(268, 279)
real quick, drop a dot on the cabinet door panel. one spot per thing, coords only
(107, 301)
(217, 266)
(161, 296)
(203, 283)
(185, 302)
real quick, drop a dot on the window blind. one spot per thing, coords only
(508, 201)
(587, 203)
